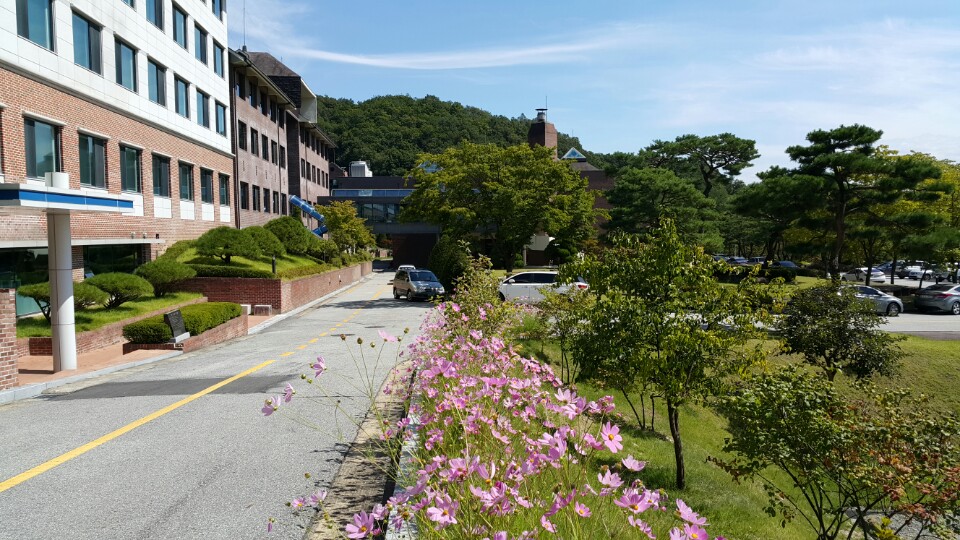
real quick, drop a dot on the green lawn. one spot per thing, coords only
(736, 510)
(285, 262)
(93, 318)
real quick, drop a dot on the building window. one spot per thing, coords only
(221, 110)
(35, 21)
(180, 95)
(129, 169)
(186, 181)
(206, 186)
(303, 168)
(130, 3)
(86, 44)
(217, 7)
(264, 103)
(265, 145)
(218, 58)
(240, 85)
(276, 202)
(42, 142)
(254, 142)
(313, 176)
(282, 118)
(93, 161)
(179, 26)
(283, 157)
(126, 66)
(224, 189)
(253, 93)
(155, 12)
(200, 43)
(266, 200)
(273, 111)
(161, 176)
(244, 196)
(273, 152)
(203, 109)
(283, 203)
(256, 198)
(241, 135)
(157, 81)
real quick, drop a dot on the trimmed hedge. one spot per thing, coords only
(165, 275)
(177, 249)
(121, 287)
(197, 318)
(213, 270)
(301, 271)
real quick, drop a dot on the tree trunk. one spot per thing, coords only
(673, 414)
(653, 413)
(626, 396)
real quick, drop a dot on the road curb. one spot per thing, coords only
(366, 475)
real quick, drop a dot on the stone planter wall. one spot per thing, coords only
(233, 328)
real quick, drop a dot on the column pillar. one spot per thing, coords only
(8, 338)
(60, 256)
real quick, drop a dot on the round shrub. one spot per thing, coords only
(449, 259)
(294, 236)
(121, 287)
(197, 318)
(212, 270)
(151, 330)
(322, 249)
(84, 295)
(177, 249)
(165, 275)
(269, 244)
(226, 242)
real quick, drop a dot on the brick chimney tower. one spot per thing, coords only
(543, 133)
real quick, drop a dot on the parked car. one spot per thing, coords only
(945, 274)
(784, 264)
(738, 261)
(858, 274)
(756, 260)
(416, 283)
(406, 267)
(918, 272)
(529, 286)
(903, 269)
(886, 304)
(942, 297)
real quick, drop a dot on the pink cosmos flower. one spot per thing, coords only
(640, 524)
(632, 464)
(297, 503)
(319, 366)
(675, 534)
(630, 500)
(695, 532)
(362, 526)
(270, 525)
(610, 435)
(270, 405)
(582, 510)
(610, 479)
(688, 514)
(288, 393)
(387, 337)
(546, 524)
(317, 497)
(444, 513)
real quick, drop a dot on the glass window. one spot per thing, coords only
(155, 12)
(240, 85)
(86, 44)
(256, 198)
(93, 161)
(180, 95)
(179, 26)
(203, 109)
(129, 3)
(283, 157)
(42, 142)
(218, 58)
(224, 189)
(217, 7)
(241, 135)
(221, 119)
(157, 81)
(244, 196)
(206, 186)
(126, 66)
(273, 152)
(161, 176)
(129, 169)
(35, 21)
(200, 44)
(283, 203)
(266, 200)
(254, 142)
(265, 145)
(253, 93)
(276, 202)
(186, 181)
(264, 103)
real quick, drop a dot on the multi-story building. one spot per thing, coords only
(128, 97)
(280, 150)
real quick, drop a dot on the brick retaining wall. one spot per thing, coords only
(233, 328)
(92, 340)
(282, 295)
(9, 351)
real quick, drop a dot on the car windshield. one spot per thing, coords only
(940, 288)
(422, 275)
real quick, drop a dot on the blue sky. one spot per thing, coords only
(620, 75)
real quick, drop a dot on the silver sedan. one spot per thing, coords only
(942, 297)
(886, 304)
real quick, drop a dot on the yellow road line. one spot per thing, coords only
(323, 334)
(302, 347)
(286, 354)
(80, 450)
(314, 340)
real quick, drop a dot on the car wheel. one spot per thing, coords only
(409, 296)
(893, 309)
(396, 294)
(502, 297)
(955, 308)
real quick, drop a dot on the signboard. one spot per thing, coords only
(174, 320)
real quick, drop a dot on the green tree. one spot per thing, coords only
(880, 452)
(777, 201)
(641, 198)
(349, 231)
(849, 176)
(165, 274)
(661, 316)
(711, 160)
(450, 259)
(225, 243)
(292, 234)
(837, 332)
(502, 195)
(269, 244)
(121, 287)
(84, 295)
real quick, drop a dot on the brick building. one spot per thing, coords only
(280, 150)
(128, 98)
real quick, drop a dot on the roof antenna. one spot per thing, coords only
(244, 24)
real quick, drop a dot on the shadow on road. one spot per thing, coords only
(177, 387)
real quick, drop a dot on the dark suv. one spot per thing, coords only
(417, 283)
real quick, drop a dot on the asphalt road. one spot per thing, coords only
(214, 466)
